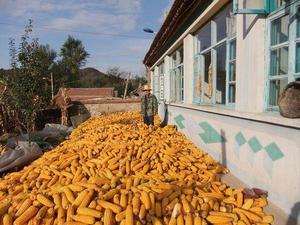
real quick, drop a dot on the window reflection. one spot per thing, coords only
(280, 30)
(221, 74)
(205, 37)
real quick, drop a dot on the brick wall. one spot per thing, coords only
(96, 107)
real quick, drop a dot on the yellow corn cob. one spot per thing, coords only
(44, 200)
(142, 212)
(156, 221)
(64, 201)
(26, 216)
(108, 205)
(219, 219)
(69, 194)
(7, 219)
(267, 219)
(70, 213)
(251, 215)
(248, 204)
(136, 205)
(186, 206)
(197, 220)
(120, 216)
(108, 217)
(152, 202)
(123, 200)
(89, 212)
(87, 199)
(145, 199)
(180, 220)
(25, 205)
(84, 219)
(80, 198)
(41, 213)
(129, 215)
(239, 199)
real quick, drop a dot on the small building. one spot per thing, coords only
(77, 94)
(221, 66)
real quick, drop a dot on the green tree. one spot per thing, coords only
(74, 56)
(26, 94)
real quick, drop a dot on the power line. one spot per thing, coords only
(81, 32)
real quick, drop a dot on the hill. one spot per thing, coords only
(91, 72)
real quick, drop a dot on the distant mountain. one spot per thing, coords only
(91, 72)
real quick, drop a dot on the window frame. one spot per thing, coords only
(161, 75)
(291, 10)
(199, 57)
(175, 78)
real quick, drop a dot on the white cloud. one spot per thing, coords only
(112, 16)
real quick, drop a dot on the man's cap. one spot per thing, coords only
(146, 88)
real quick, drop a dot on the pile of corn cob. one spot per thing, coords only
(115, 170)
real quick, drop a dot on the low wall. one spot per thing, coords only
(96, 107)
(262, 155)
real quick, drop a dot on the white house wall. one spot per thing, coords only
(188, 51)
(262, 154)
(250, 63)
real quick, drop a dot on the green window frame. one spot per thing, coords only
(208, 49)
(231, 68)
(265, 9)
(284, 52)
(177, 76)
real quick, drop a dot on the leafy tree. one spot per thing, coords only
(26, 94)
(74, 56)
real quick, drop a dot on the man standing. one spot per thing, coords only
(149, 107)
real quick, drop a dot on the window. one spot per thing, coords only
(297, 66)
(231, 71)
(284, 55)
(275, 4)
(177, 76)
(214, 60)
(161, 69)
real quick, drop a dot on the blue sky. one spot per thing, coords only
(111, 30)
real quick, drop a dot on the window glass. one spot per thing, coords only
(276, 88)
(298, 22)
(279, 61)
(180, 56)
(221, 25)
(207, 76)
(231, 97)
(161, 68)
(232, 50)
(298, 58)
(221, 74)
(232, 56)
(280, 30)
(174, 60)
(222, 22)
(205, 37)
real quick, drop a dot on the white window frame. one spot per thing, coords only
(161, 75)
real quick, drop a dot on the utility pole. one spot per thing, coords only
(52, 88)
(126, 86)
(51, 79)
